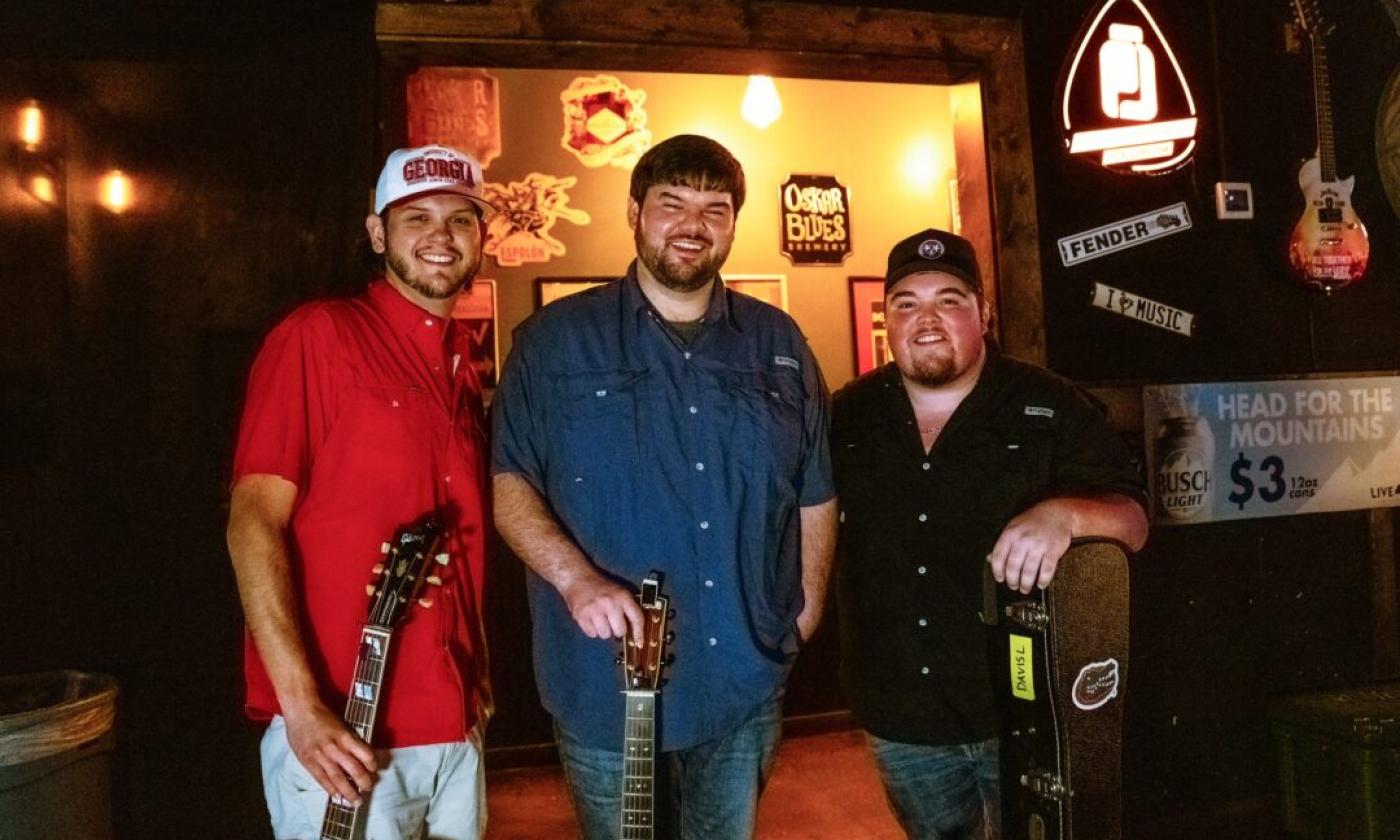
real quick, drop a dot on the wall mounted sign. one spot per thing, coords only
(872, 348)
(769, 288)
(1243, 450)
(1124, 102)
(816, 227)
(475, 311)
(550, 289)
(520, 232)
(458, 107)
(604, 122)
(1143, 309)
(1125, 233)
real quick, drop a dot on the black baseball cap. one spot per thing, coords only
(934, 250)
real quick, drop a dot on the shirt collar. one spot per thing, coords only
(404, 315)
(718, 309)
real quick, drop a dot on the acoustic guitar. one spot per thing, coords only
(398, 583)
(641, 668)
(1329, 248)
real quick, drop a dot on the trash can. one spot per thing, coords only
(56, 736)
(1338, 755)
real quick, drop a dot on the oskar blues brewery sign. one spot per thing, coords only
(816, 228)
(1242, 450)
(1126, 233)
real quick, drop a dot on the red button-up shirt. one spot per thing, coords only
(369, 405)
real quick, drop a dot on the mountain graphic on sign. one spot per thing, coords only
(1124, 101)
(1349, 485)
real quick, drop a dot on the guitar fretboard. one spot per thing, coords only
(360, 709)
(1322, 96)
(639, 771)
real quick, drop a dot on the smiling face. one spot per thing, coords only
(935, 324)
(431, 246)
(683, 235)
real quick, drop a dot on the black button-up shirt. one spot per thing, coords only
(692, 459)
(916, 529)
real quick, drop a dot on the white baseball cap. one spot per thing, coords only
(429, 169)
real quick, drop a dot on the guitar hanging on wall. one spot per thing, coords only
(1329, 249)
(641, 667)
(398, 583)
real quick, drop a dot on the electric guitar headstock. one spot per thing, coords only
(642, 663)
(1310, 20)
(406, 568)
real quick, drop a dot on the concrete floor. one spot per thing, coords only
(824, 787)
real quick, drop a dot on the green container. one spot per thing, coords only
(56, 737)
(1339, 763)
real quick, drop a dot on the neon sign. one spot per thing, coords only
(1124, 102)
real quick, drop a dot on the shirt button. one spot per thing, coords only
(699, 466)
(427, 322)
(705, 525)
(923, 622)
(923, 570)
(923, 517)
(709, 584)
(924, 670)
(713, 641)
(447, 478)
(687, 354)
(926, 465)
(600, 393)
(694, 410)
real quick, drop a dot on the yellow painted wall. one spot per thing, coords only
(863, 133)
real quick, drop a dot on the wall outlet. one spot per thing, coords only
(1234, 200)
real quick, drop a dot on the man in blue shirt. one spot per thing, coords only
(665, 422)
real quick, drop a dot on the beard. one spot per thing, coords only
(678, 277)
(930, 373)
(431, 285)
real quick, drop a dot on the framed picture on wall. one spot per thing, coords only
(769, 288)
(550, 289)
(475, 311)
(872, 348)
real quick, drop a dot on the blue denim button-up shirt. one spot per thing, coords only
(692, 460)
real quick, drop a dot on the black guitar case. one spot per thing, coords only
(1061, 659)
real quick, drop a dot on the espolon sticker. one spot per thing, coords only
(520, 232)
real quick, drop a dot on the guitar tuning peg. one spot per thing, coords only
(441, 558)
(369, 589)
(671, 613)
(378, 568)
(383, 548)
(425, 603)
(617, 660)
(434, 580)
(670, 636)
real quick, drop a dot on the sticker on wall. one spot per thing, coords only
(1124, 101)
(1096, 684)
(520, 232)
(604, 122)
(475, 312)
(1143, 309)
(1124, 233)
(458, 107)
(816, 226)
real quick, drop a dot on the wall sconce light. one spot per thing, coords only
(761, 105)
(43, 187)
(31, 125)
(115, 192)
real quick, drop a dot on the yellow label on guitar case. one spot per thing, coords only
(1022, 667)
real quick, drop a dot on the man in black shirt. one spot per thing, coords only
(951, 457)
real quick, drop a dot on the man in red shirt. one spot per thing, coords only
(363, 414)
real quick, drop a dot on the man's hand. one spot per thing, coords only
(1030, 547)
(808, 621)
(335, 757)
(602, 609)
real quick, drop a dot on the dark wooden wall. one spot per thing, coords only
(251, 132)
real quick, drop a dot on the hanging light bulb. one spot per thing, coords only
(761, 106)
(31, 125)
(116, 193)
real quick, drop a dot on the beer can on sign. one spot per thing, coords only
(1185, 453)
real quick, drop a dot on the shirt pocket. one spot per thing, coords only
(597, 443)
(767, 422)
(1012, 465)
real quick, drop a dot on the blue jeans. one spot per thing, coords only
(713, 787)
(950, 792)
